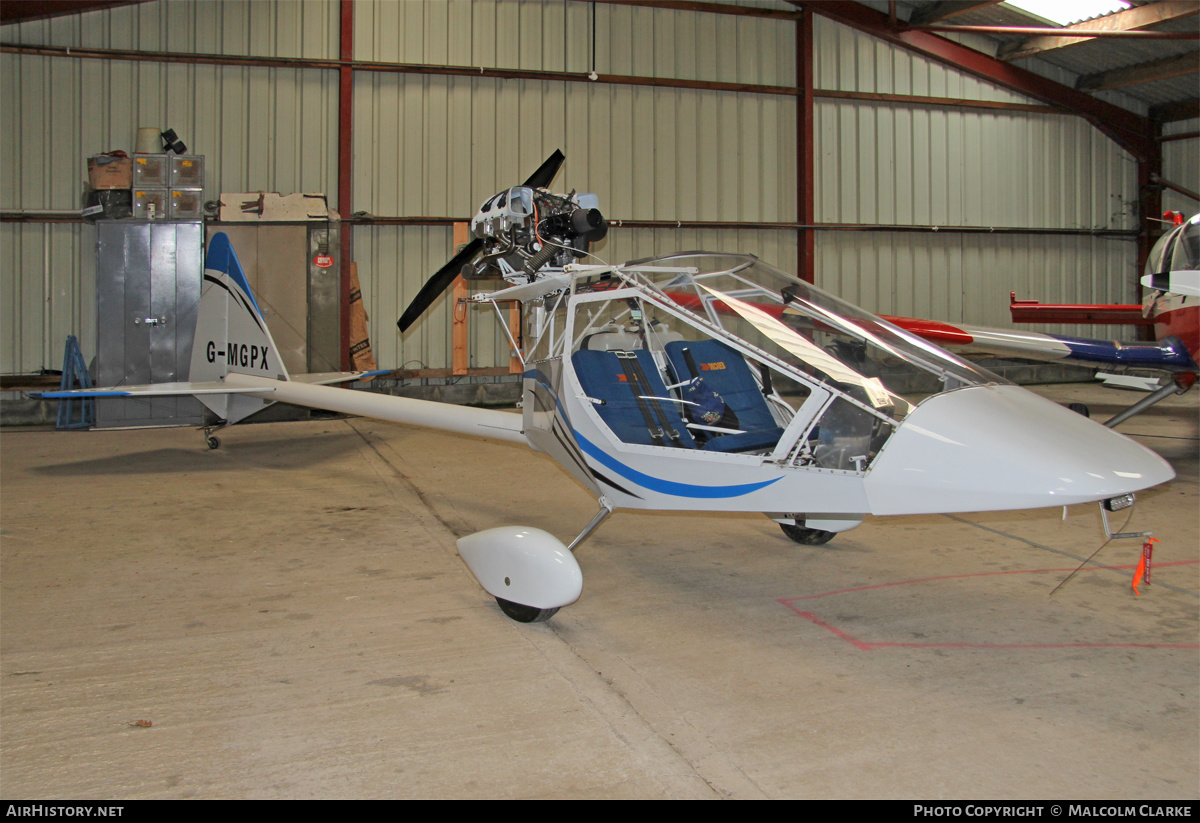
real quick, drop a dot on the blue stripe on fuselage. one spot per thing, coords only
(646, 481)
(62, 395)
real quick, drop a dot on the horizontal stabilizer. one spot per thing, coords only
(1129, 381)
(149, 390)
(331, 377)
(207, 388)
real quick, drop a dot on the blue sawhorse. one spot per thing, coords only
(75, 372)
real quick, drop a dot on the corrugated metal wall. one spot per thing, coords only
(442, 145)
(1181, 165)
(423, 145)
(909, 166)
(265, 28)
(47, 281)
(259, 129)
(438, 146)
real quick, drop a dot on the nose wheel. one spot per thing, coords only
(528, 564)
(806, 536)
(525, 614)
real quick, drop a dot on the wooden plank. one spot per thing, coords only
(460, 355)
(514, 327)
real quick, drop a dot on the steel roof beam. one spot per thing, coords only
(1171, 112)
(18, 11)
(1129, 130)
(1163, 69)
(1133, 19)
(694, 5)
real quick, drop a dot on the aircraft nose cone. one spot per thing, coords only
(990, 448)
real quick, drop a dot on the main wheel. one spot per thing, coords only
(525, 614)
(213, 442)
(809, 537)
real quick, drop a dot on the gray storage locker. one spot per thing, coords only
(148, 277)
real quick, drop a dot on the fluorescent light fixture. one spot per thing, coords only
(1066, 12)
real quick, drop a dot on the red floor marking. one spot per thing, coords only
(866, 645)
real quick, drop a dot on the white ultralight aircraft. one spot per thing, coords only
(696, 381)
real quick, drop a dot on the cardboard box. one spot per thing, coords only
(108, 172)
(256, 206)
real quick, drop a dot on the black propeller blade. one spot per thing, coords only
(444, 276)
(437, 284)
(542, 178)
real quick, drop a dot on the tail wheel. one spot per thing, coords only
(525, 614)
(806, 536)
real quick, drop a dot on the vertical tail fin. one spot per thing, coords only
(231, 334)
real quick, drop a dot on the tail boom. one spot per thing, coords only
(498, 425)
(236, 369)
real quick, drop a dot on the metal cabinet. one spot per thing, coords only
(148, 278)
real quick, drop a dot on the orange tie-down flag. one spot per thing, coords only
(1143, 566)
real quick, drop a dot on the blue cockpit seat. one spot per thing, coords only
(631, 398)
(727, 373)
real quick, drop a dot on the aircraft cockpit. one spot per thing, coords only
(722, 354)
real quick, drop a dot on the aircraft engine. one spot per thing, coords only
(519, 231)
(523, 229)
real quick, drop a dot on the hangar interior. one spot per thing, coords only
(287, 615)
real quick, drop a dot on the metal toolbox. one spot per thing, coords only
(150, 203)
(187, 171)
(151, 171)
(186, 204)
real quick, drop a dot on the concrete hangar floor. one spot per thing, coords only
(287, 617)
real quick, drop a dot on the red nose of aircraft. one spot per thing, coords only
(989, 448)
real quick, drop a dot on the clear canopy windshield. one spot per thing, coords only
(1177, 250)
(826, 338)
